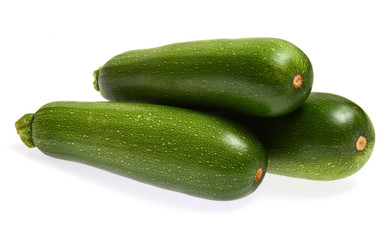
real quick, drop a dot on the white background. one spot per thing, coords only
(48, 52)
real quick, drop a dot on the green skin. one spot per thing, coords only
(254, 73)
(317, 141)
(172, 148)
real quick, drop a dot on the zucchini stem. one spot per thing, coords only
(361, 143)
(23, 128)
(258, 174)
(297, 81)
(96, 77)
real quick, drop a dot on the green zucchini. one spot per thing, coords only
(328, 138)
(178, 149)
(262, 76)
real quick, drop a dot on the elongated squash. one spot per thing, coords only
(173, 148)
(328, 138)
(256, 76)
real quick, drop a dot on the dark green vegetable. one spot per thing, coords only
(256, 76)
(173, 148)
(328, 138)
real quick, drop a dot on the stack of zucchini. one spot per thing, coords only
(207, 118)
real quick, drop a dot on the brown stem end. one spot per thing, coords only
(258, 174)
(361, 143)
(297, 81)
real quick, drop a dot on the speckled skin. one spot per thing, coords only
(317, 141)
(177, 149)
(248, 75)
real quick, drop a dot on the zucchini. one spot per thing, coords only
(262, 76)
(328, 138)
(178, 149)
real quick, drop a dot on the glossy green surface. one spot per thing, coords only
(317, 141)
(256, 74)
(173, 148)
